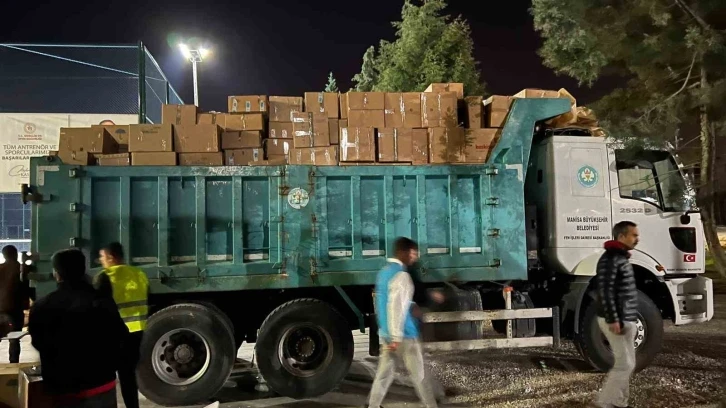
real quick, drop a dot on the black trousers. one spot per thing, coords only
(14, 348)
(130, 355)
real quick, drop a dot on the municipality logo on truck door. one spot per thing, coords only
(588, 176)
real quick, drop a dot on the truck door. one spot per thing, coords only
(648, 189)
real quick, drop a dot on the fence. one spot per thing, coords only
(51, 78)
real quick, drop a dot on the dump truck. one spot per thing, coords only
(286, 256)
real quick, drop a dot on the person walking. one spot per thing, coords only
(129, 288)
(397, 326)
(617, 298)
(78, 334)
(13, 299)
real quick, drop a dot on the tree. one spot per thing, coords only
(368, 75)
(673, 56)
(429, 47)
(332, 85)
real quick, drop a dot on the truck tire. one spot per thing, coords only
(304, 349)
(457, 300)
(591, 343)
(187, 354)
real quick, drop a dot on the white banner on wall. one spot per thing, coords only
(26, 135)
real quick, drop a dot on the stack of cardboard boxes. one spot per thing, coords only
(436, 126)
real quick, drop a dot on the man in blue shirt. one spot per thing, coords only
(398, 328)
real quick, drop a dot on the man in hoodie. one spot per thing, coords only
(398, 328)
(617, 298)
(13, 298)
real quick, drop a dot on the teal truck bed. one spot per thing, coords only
(235, 228)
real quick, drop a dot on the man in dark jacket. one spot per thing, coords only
(617, 313)
(78, 333)
(13, 298)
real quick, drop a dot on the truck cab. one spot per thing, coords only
(582, 186)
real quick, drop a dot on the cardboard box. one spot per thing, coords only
(75, 158)
(403, 110)
(318, 156)
(120, 159)
(395, 145)
(89, 139)
(365, 101)
(241, 121)
(282, 107)
(357, 144)
(420, 139)
(439, 110)
(277, 161)
(499, 102)
(201, 159)
(446, 145)
(153, 159)
(343, 107)
(310, 129)
(334, 130)
(322, 102)
(242, 139)
(277, 147)
(479, 144)
(496, 118)
(9, 385)
(197, 138)
(366, 118)
(456, 87)
(210, 118)
(473, 112)
(242, 157)
(280, 130)
(31, 388)
(537, 93)
(179, 114)
(151, 138)
(119, 133)
(247, 104)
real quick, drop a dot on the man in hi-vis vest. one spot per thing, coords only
(129, 287)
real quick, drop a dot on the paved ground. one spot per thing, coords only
(688, 373)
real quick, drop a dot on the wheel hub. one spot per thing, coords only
(305, 347)
(183, 354)
(181, 357)
(305, 350)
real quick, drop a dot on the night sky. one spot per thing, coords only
(281, 47)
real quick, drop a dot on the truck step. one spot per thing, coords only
(692, 296)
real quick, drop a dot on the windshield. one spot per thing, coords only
(653, 177)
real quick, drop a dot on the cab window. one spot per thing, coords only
(653, 177)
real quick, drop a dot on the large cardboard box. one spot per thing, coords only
(456, 87)
(280, 130)
(271, 161)
(439, 110)
(242, 139)
(318, 156)
(120, 134)
(496, 118)
(357, 144)
(120, 159)
(496, 108)
(241, 121)
(179, 114)
(334, 129)
(310, 129)
(479, 144)
(151, 138)
(365, 101)
(402, 145)
(282, 107)
(9, 385)
(90, 140)
(242, 157)
(153, 159)
(343, 107)
(75, 158)
(473, 112)
(537, 93)
(403, 110)
(197, 138)
(420, 146)
(499, 102)
(211, 118)
(247, 104)
(322, 102)
(31, 388)
(277, 147)
(446, 145)
(366, 118)
(201, 159)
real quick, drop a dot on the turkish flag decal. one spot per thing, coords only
(689, 258)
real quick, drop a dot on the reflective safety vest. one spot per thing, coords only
(130, 291)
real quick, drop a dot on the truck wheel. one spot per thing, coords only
(595, 349)
(304, 349)
(187, 354)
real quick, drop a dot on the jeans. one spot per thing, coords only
(616, 389)
(411, 354)
(130, 356)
